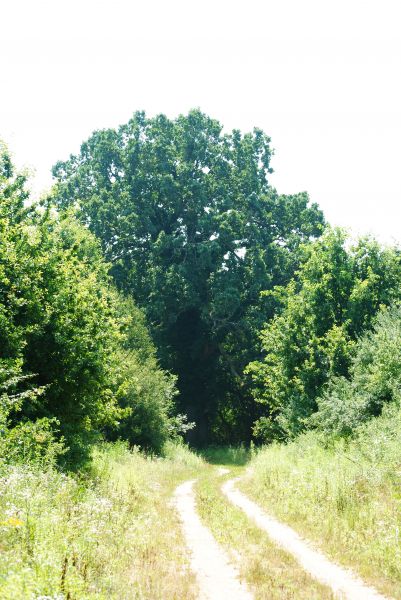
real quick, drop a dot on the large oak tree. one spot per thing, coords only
(194, 232)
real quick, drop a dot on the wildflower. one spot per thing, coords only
(12, 522)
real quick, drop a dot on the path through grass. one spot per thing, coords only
(270, 572)
(345, 498)
(111, 534)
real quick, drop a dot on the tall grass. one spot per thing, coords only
(227, 455)
(345, 495)
(108, 533)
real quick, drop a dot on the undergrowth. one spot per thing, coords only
(108, 533)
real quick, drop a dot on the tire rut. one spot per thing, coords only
(217, 577)
(343, 582)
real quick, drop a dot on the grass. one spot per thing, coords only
(110, 534)
(345, 497)
(269, 572)
(227, 456)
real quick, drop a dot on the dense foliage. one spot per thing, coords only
(331, 301)
(194, 232)
(374, 379)
(202, 248)
(68, 342)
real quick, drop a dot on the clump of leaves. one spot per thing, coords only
(373, 382)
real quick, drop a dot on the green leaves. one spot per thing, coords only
(374, 379)
(65, 326)
(194, 233)
(333, 299)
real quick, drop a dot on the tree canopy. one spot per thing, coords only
(194, 232)
(332, 300)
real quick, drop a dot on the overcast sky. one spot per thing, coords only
(322, 78)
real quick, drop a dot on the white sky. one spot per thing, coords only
(322, 78)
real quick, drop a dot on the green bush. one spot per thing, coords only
(374, 379)
(26, 441)
(80, 343)
(331, 302)
(146, 393)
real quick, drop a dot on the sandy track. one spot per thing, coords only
(343, 582)
(217, 578)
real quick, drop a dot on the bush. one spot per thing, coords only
(85, 350)
(25, 441)
(146, 394)
(374, 380)
(332, 301)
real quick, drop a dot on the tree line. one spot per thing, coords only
(164, 278)
(76, 357)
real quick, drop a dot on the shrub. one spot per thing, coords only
(85, 350)
(25, 441)
(332, 300)
(374, 380)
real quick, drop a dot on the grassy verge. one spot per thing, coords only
(110, 534)
(269, 572)
(346, 497)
